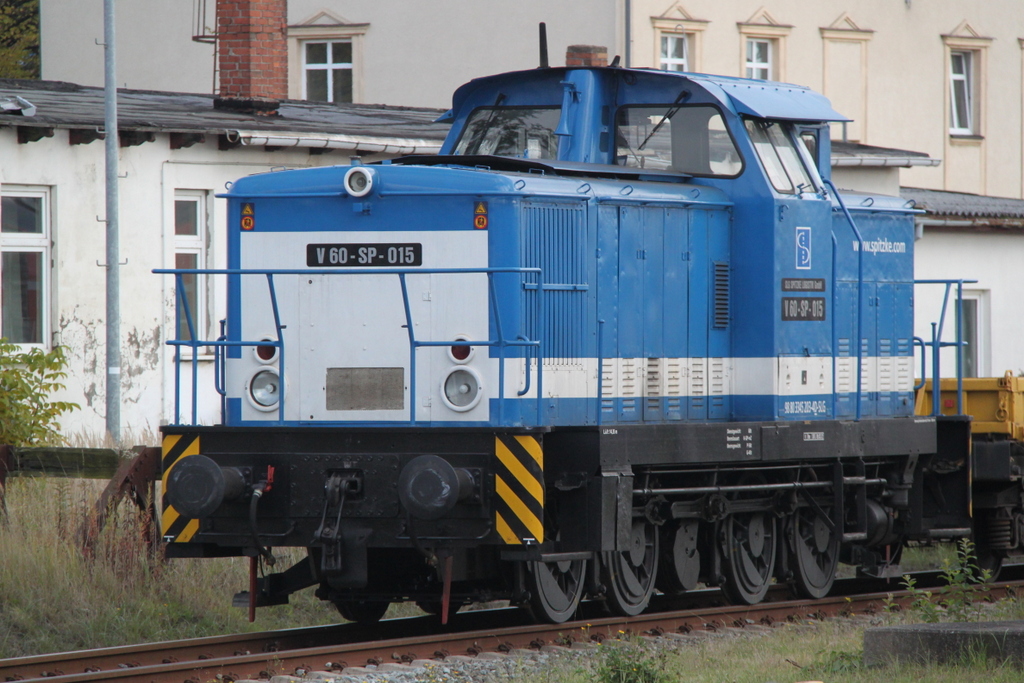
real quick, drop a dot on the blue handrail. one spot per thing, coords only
(860, 292)
(937, 345)
(222, 343)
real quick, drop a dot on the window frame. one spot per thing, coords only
(775, 35)
(751, 65)
(977, 355)
(502, 108)
(800, 159)
(665, 61)
(329, 66)
(199, 246)
(675, 108)
(35, 243)
(692, 32)
(968, 80)
(324, 27)
(965, 39)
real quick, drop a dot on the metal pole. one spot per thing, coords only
(628, 48)
(113, 280)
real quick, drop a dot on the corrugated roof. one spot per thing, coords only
(961, 204)
(67, 105)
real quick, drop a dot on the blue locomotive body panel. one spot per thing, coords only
(718, 284)
(623, 317)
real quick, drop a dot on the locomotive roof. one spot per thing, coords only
(744, 96)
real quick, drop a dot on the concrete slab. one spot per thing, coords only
(998, 641)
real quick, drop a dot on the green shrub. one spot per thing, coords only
(27, 379)
(966, 583)
(626, 662)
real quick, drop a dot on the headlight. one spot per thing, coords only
(461, 389)
(359, 181)
(265, 389)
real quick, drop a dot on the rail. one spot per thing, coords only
(937, 345)
(224, 342)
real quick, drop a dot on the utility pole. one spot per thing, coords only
(113, 257)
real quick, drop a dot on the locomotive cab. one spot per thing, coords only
(621, 335)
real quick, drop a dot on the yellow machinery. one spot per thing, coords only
(996, 404)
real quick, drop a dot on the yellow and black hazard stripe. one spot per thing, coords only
(519, 485)
(175, 527)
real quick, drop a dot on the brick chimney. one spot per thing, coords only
(586, 55)
(252, 55)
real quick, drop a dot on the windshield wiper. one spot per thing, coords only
(683, 95)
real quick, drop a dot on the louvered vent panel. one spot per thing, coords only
(608, 384)
(627, 378)
(653, 384)
(717, 377)
(554, 240)
(721, 316)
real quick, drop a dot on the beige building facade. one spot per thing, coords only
(942, 77)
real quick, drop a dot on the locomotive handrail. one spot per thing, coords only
(937, 345)
(221, 343)
(860, 294)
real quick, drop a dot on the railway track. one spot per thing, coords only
(333, 648)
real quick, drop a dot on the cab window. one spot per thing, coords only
(523, 132)
(691, 140)
(779, 156)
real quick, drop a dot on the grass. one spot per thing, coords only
(54, 598)
(828, 651)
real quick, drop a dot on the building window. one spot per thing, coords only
(966, 60)
(759, 58)
(190, 248)
(327, 66)
(325, 57)
(763, 47)
(674, 52)
(961, 92)
(24, 265)
(677, 40)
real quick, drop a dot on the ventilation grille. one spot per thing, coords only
(721, 295)
(554, 239)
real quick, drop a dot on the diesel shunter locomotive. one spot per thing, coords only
(622, 334)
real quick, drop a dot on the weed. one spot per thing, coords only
(836, 662)
(627, 662)
(966, 583)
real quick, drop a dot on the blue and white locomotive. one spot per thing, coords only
(622, 334)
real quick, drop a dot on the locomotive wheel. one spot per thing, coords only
(680, 559)
(362, 611)
(555, 589)
(748, 554)
(987, 559)
(629, 575)
(814, 551)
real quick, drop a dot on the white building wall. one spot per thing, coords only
(994, 260)
(151, 174)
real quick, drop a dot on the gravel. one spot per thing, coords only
(496, 667)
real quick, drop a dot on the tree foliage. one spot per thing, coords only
(19, 39)
(27, 379)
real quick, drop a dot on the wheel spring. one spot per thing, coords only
(999, 533)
